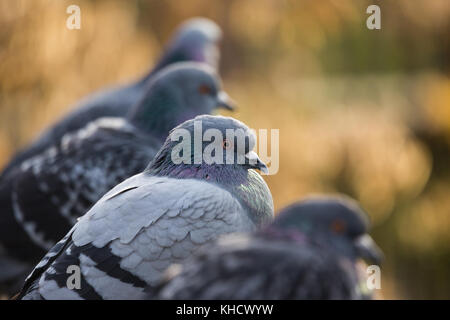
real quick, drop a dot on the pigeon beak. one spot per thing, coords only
(224, 101)
(254, 162)
(368, 250)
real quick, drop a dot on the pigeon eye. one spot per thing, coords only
(338, 226)
(204, 89)
(226, 144)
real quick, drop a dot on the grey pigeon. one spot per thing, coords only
(308, 252)
(41, 199)
(160, 216)
(195, 40)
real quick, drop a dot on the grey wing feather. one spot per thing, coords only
(52, 190)
(30, 282)
(143, 225)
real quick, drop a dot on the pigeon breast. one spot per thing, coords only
(127, 240)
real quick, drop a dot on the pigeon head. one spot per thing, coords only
(207, 147)
(337, 222)
(218, 150)
(196, 39)
(177, 93)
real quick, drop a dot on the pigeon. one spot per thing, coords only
(196, 40)
(190, 193)
(310, 251)
(41, 199)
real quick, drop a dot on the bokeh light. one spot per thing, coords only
(361, 112)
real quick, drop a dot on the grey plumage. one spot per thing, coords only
(153, 219)
(195, 40)
(42, 198)
(309, 252)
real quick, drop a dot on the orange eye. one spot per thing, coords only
(204, 89)
(226, 144)
(338, 226)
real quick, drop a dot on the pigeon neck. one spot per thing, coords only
(246, 185)
(255, 196)
(217, 174)
(172, 55)
(163, 62)
(157, 113)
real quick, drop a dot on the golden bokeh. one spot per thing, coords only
(361, 112)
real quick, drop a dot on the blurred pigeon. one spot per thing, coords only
(196, 40)
(309, 252)
(41, 199)
(160, 216)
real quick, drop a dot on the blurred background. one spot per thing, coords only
(362, 112)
